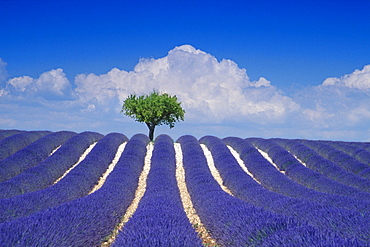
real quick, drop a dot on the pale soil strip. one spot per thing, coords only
(213, 169)
(140, 190)
(110, 168)
(300, 161)
(241, 163)
(55, 150)
(82, 157)
(267, 157)
(187, 203)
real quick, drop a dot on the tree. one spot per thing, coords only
(153, 109)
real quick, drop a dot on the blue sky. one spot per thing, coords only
(292, 69)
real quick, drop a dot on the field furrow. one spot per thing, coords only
(140, 190)
(68, 189)
(355, 150)
(187, 204)
(339, 158)
(160, 219)
(343, 222)
(32, 154)
(79, 182)
(82, 157)
(88, 220)
(52, 169)
(275, 181)
(318, 163)
(229, 220)
(292, 168)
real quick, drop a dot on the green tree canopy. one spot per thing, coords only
(154, 109)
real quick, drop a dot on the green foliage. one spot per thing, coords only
(154, 109)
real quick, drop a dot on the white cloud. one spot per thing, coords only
(338, 103)
(53, 81)
(218, 96)
(318, 116)
(51, 85)
(21, 83)
(210, 91)
(359, 114)
(358, 79)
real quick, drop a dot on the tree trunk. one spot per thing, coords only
(151, 130)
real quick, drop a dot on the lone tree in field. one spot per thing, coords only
(153, 109)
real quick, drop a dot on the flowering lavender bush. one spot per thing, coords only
(48, 171)
(79, 182)
(279, 209)
(234, 222)
(346, 223)
(13, 143)
(341, 159)
(160, 219)
(6, 133)
(86, 221)
(273, 180)
(307, 177)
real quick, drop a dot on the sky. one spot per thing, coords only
(288, 69)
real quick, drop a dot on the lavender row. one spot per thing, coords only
(86, 221)
(364, 145)
(79, 182)
(234, 222)
(48, 171)
(354, 149)
(353, 146)
(324, 166)
(307, 177)
(275, 181)
(6, 133)
(340, 158)
(32, 154)
(160, 219)
(13, 143)
(345, 223)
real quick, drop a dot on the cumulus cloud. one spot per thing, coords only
(21, 83)
(359, 79)
(51, 85)
(210, 90)
(218, 96)
(359, 114)
(338, 103)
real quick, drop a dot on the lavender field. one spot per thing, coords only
(87, 189)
